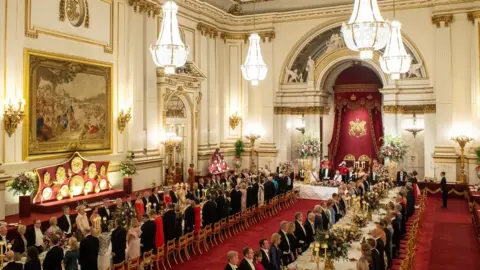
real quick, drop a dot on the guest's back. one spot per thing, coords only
(70, 260)
(32, 265)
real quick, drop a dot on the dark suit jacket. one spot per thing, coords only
(119, 243)
(18, 244)
(310, 237)
(54, 258)
(220, 201)
(235, 203)
(284, 245)
(13, 266)
(31, 236)
(104, 213)
(169, 227)
(228, 267)
(266, 260)
(319, 222)
(173, 196)
(300, 234)
(269, 190)
(32, 265)
(63, 223)
(244, 265)
(324, 174)
(145, 202)
(410, 203)
(209, 212)
(147, 239)
(443, 184)
(189, 216)
(404, 178)
(153, 200)
(388, 246)
(381, 250)
(378, 261)
(275, 258)
(251, 195)
(348, 177)
(89, 248)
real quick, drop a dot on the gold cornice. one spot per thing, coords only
(250, 2)
(151, 7)
(409, 109)
(447, 19)
(264, 36)
(472, 16)
(301, 110)
(207, 30)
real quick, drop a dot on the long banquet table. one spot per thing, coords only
(305, 260)
(310, 192)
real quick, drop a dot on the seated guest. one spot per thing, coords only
(89, 249)
(19, 246)
(287, 256)
(377, 260)
(169, 223)
(33, 263)
(349, 176)
(232, 260)
(10, 262)
(300, 232)
(104, 211)
(401, 178)
(325, 173)
(247, 262)
(35, 236)
(54, 257)
(337, 178)
(310, 229)
(148, 229)
(275, 253)
(257, 259)
(264, 250)
(70, 260)
(189, 217)
(66, 222)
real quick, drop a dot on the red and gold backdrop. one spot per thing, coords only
(74, 177)
(358, 123)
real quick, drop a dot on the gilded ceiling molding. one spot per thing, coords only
(472, 16)
(250, 1)
(301, 110)
(151, 7)
(409, 109)
(447, 19)
(264, 36)
(207, 30)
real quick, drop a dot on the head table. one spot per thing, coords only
(304, 261)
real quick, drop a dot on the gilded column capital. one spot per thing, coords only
(150, 7)
(323, 110)
(207, 30)
(447, 19)
(409, 109)
(264, 36)
(474, 15)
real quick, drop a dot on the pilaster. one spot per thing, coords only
(3, 180)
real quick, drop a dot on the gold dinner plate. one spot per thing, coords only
(103, 184)
(60, 176)
(47, 193)
(92, 171)
(46, 178)
(88, 187)
(64, 190)
(77, 164)
(103, 170)
(76, 185)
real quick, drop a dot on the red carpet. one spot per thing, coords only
(447, 240)
(216, 257)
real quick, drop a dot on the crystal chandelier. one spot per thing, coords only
(254, 69)
(395, 59)
(414, 126)
(169, 51)
(366, 31)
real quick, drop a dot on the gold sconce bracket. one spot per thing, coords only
(13, 115)
(123, 118)
(234, 120)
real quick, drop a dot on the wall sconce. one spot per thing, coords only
(13, 114)
(234, 120)
(123, 118)
(414, 126)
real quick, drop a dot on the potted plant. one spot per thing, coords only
(22, 184)
(237, 161)
(128, 168)
(478, 162)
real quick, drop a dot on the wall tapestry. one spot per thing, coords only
(69, 106)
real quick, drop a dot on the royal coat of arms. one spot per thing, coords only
(357, 128)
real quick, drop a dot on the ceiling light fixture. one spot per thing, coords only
(366, 31)
(169, 51)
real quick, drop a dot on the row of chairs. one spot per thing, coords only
(209, 236)
(476, 218)
(408, 247)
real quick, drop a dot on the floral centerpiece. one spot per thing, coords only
(360, 220)
(349, 235)
(309, 147)
(333, 244)
(373, 200)
(383, 173)
(128, 167)
(23, 183)
(393, 148)
(285, 167)
(327, 183)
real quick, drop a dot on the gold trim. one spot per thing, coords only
(31, 31)
(323, 110)
(26, 94)
(151, 8)
(264, 36)
(207, 30)
(472, 16)
(447, 19)
(438, 190)
(409, 109)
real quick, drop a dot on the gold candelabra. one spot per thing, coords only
(462, 142)
(234, 120)
(13, 114)
(252, 137)
(171, 142)
(123, 118)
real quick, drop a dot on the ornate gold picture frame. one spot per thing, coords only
(69, 105)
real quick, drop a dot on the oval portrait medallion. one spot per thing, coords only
(92, 171)
(46, 178)
(60, 176)
(77, 164)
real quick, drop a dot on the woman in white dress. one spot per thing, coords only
(261, 197)
(133, 240)
(105, 250)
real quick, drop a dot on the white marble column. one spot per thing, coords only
(429, 143)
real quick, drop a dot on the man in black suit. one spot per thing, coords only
(169, 223)
(119, 242)
(269, 190)
(34, 236)
(443, 185)
(318, 221)
(349, 176)
(54, 257)
(236, 200)
(11, 264)
(265, 248)
(66, 222)
(373, 177)
(310, 228)
(251, 195)
(209, 212)
(378, 261)
(326, 173)
(89, 248)
(154, 198)
(128, 203)
(300, 232)
(147, 238)
(401, 178)
(336, 207)
(189, 217)
(146, 196)
(388, 245)
(232, 258)
(247, 262)
(104, 211)
(173, 194)
(285, 243)
(380, 246)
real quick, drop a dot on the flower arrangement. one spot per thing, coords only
(309, 147)
(349, 235)
(360, 220)
(373, 200)
(23, 183)
(383, 173)
(127, 167)
(335, 244)
(393, 148)
(328, 183)
(286, 167)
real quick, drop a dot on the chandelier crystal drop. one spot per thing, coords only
(254, 69)
(366, 31)
(395, 59)
(169, 51)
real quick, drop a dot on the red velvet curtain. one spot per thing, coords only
(358, 123)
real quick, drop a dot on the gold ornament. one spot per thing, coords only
(60, 176)
(77, 164)
(357, 128)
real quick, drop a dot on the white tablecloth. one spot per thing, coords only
(310, 192)
(304, 261)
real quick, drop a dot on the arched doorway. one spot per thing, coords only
(357, 124)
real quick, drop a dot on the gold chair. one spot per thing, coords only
(231, 225)
(200, 239)
(216, 233)
(171, 252)
(182, 245)
(133, 264)
(160, 257)
(119, 266)
(148, 260)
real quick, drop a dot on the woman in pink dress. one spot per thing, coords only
(243, 190)
(133, 240)
(139, 206)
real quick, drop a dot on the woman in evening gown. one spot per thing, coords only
(139, 206)
(198, 216)
(105, 250)
(159, 238)
(243, 190)
(133, 240)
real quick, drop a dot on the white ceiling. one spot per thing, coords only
(268, 6)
